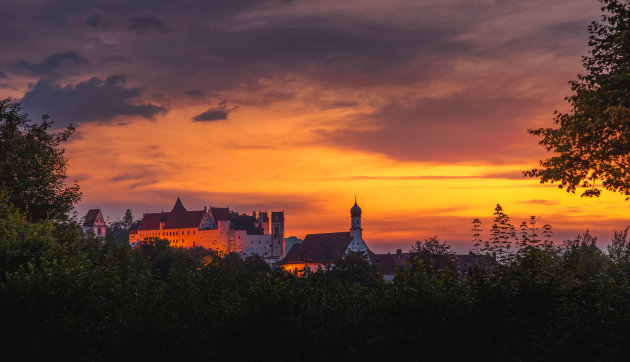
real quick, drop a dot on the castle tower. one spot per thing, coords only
(277, 234)
(263, 221)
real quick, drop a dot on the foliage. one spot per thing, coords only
(118, 231)
(591, 144)
(433, 254)
(33, 165)
(77, 298)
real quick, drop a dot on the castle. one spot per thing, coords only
(214, 228)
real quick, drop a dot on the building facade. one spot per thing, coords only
(94, 223)
(213, 228)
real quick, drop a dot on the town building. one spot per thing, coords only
(214, 228)
(321, 251)
(324, 249)
(94, 223)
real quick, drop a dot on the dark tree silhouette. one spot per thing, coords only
(33, 165)
(591, 143)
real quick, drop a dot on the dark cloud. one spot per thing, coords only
(218, 113)
(144, 24)
(89, 101)
(458, 128)
(329, 50)
(94, 20)
(67, 61)
(194, 92)
(3, 75)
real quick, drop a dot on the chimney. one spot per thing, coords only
(399, 253)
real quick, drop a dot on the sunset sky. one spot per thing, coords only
(418, 107)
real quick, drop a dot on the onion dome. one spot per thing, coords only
(355, 211)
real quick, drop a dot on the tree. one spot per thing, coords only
(503, 232)
(433, 253)
(591, 146)
(476, 235)
(127, 219)
(33, 165)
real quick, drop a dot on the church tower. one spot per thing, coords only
(356, 232)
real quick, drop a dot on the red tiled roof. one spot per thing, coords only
(220, 213)
(319, 248)
(183, 219)
(152, 221)
(91, 217)
(178, 218)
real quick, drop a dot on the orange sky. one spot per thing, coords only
(418, 107)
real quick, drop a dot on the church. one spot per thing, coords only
(323, 250)
(213, 228)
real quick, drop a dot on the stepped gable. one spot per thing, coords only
(220, 213)
(323, 248)
(91, 217)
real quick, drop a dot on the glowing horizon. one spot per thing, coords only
(419, 108)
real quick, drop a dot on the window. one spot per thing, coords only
(98, 231)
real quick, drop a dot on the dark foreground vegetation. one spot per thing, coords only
(67, 297)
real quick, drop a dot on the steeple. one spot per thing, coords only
(355, 211)
(355, 216)
(356, 232)
(178, 206)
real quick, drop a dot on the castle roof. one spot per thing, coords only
(323, 248)
(220, 213)
(178, 218)
(91, 216)
(179, 207)
(184, 219)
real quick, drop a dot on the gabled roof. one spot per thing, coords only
(323, 248)
(220, 213)
(91, 216)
